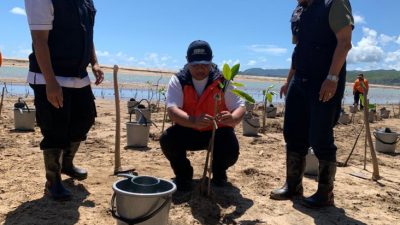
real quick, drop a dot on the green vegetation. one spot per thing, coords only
(385, 77)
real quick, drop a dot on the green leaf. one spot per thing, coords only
(243, 95)
(269, 97)
(237, 84)
(371, 106)
(235, 70)
(361, 99)
(221, 85)
(227, 72)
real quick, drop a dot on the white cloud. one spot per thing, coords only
(386, 39)
(102, 53)
(393, 60)
(367, 49)
(18, 11)
(398, 40)
(269, 49)
(358, 19)
(230, 62)
(251, 63)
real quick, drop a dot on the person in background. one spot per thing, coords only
(62, 36)
(322, 34)
(190, 102)
(358, 89)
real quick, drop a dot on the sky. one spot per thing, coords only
(254, 33)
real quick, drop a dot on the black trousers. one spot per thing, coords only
(177, 139)
(308, 121)
(71, 123)
(357, 99)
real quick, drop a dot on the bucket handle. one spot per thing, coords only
(248, 122)
(384, 142)
(136, 220)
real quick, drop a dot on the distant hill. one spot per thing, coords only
(386, 77)
(265, 72)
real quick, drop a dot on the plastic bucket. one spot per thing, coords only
(131, 106)
(271, 112)
(24, 119)
(137, 134)
(143, 112)
(146, 202)
(344, 118)
(250, 126)
(386, 142)
(311, 163)
(385, 113)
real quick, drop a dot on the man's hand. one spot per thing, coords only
(202, 121)
(284, 89)
(328, 90)
(98, 73)
(54, 94)
(226, 118)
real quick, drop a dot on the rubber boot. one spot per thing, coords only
(54, 187)
(293, 187)
(324, 195)
(68, 167)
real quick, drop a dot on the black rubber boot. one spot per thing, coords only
(54, 187)
(293, 187)
(324, 195)
(68, 167)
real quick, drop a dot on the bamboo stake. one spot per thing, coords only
(2, 97)
(375, 173)
(117, 154)
(354, 146)
(365, 151)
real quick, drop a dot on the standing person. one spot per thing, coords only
(358, 89)
(1, 58)
(322, 30)
(62, 36)
(190, 102)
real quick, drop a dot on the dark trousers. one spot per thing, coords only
(71, 123)
(176, 140)
(308, 121)
(357, 99)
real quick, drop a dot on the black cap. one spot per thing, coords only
(199, 52)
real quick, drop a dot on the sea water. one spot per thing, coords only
(378, 95)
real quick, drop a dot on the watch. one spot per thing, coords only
(332, 78)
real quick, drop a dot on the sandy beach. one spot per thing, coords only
(260, 169)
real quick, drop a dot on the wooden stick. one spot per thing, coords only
(365, 152)
(375, 173)
(2, 97)
(117, 154)
(354, 146)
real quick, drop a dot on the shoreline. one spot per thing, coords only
(24, 63)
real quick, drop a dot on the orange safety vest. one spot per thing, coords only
(195, 105)
(357, 85)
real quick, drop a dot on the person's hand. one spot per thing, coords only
(202, 121)
(226, 118)
(284, 89)
(98, 73)
(328, 90)
(54, 93)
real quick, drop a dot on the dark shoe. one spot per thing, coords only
(183, 185)
(57, 191)
(324, 196)
(75, 172)
(68, 167)
(293, 187)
